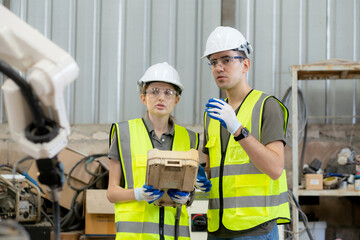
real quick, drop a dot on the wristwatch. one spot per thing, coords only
(243, 134)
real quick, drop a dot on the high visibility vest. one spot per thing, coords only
(141, 220)
(242, 197)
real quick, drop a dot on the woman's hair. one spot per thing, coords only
(172, 119)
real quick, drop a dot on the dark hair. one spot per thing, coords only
(177, 89)
(241, 54)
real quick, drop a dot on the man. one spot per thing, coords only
(244, 140)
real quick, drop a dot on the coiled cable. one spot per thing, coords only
(302, 123)
(301, 115)
(73, 220)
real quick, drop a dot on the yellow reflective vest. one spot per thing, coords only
(140, 220)
(242, 197)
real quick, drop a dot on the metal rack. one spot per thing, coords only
(325, 70)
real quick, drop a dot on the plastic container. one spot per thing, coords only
(171, 170)
(317, 230)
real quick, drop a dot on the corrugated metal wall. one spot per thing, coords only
(286, 33)
(115, 41)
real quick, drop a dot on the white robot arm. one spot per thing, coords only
(49, 69)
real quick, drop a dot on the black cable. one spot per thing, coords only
(92, 158)
(17, 163)
(43, 212)
(88, 186)
(302, 216)
(26, 92)
(75, 212)
(86, 167)
(302, 115)
(47, 217)
(303, 124)
(177, 221)
(76, 207)
(56, 208)
(301, 174)
(42, 129)
(75, 227)
(94, 182)
(68, 220)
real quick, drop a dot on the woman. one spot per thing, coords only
(136, 216)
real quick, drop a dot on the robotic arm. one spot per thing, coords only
(35, 109)
(49, 69)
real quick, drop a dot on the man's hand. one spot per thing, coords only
(220, 110)
(202, 182)
(147, 193)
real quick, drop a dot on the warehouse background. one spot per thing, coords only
(114, 42)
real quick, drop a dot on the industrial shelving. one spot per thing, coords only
(333, 69)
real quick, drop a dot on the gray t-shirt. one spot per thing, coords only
(271, 130)
(164, 143)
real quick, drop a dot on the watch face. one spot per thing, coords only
(245, 132)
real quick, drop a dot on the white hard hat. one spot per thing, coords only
(224, 39)
(160, 72)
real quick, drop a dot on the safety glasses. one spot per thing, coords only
(155, 92)
(225, 60)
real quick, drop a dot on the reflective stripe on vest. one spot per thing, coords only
(248, 196)
(149, 228)
(140, 220)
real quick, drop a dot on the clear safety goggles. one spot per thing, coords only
(225, 60)
(155, 92)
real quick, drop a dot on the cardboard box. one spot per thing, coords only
(74, 235)
(79, 177)
(84, 237)
(171, 170)
(314, 181)
(99, 214)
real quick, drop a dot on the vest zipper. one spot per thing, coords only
(223, 155)
(161, 223)
(221, 191)
(221, 194)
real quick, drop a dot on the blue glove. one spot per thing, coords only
(148, 193)
(178, 196)
(202, 182)
(220, 110)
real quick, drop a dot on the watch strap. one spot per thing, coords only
(241, 135)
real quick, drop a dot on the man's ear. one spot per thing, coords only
(247, 64)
